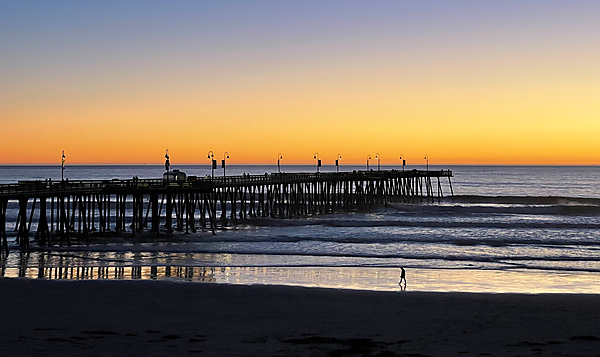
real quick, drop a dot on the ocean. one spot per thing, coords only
(527, 229)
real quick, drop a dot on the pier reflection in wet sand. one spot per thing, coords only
(50, 266)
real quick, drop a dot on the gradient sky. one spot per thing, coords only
(465, 82)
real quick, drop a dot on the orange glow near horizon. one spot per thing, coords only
(492, 127)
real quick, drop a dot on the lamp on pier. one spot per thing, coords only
(318, 161)
(225, 156)
(403, 162)
(279, 157)
(378, 161)
(62, 172)
(368, 158)
(427, 158)
(213, 162)
(337, 162)
(167, 164)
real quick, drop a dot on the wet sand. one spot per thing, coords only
(163, 318)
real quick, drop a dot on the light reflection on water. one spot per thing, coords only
(360, 278)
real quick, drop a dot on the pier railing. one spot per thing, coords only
(77, 208)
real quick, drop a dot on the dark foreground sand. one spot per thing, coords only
(158, 318)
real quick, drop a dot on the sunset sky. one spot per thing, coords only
(464, 82)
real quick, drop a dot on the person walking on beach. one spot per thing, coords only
(402, 277)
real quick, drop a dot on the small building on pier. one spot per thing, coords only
(175, 176)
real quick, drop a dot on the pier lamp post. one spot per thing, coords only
(427, 158)
(62, 171)
(318, 161)
(378, 161)
(213, 163)
(279, 157)
(223, 162)
(337, 162)
(368, 158)
(403, 162)
(167, 164)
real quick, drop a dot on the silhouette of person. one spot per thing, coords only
(402, 277)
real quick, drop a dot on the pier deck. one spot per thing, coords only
(67, 210)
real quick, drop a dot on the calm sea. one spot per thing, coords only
(505, 226)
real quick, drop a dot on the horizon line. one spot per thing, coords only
(293, 164)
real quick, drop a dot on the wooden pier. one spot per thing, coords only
(59, 212)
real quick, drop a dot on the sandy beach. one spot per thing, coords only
(160, 318)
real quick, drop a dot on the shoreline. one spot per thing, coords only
(470, 280)
(168, 318)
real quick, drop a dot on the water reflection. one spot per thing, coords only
(46, 265)
(51, 267)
